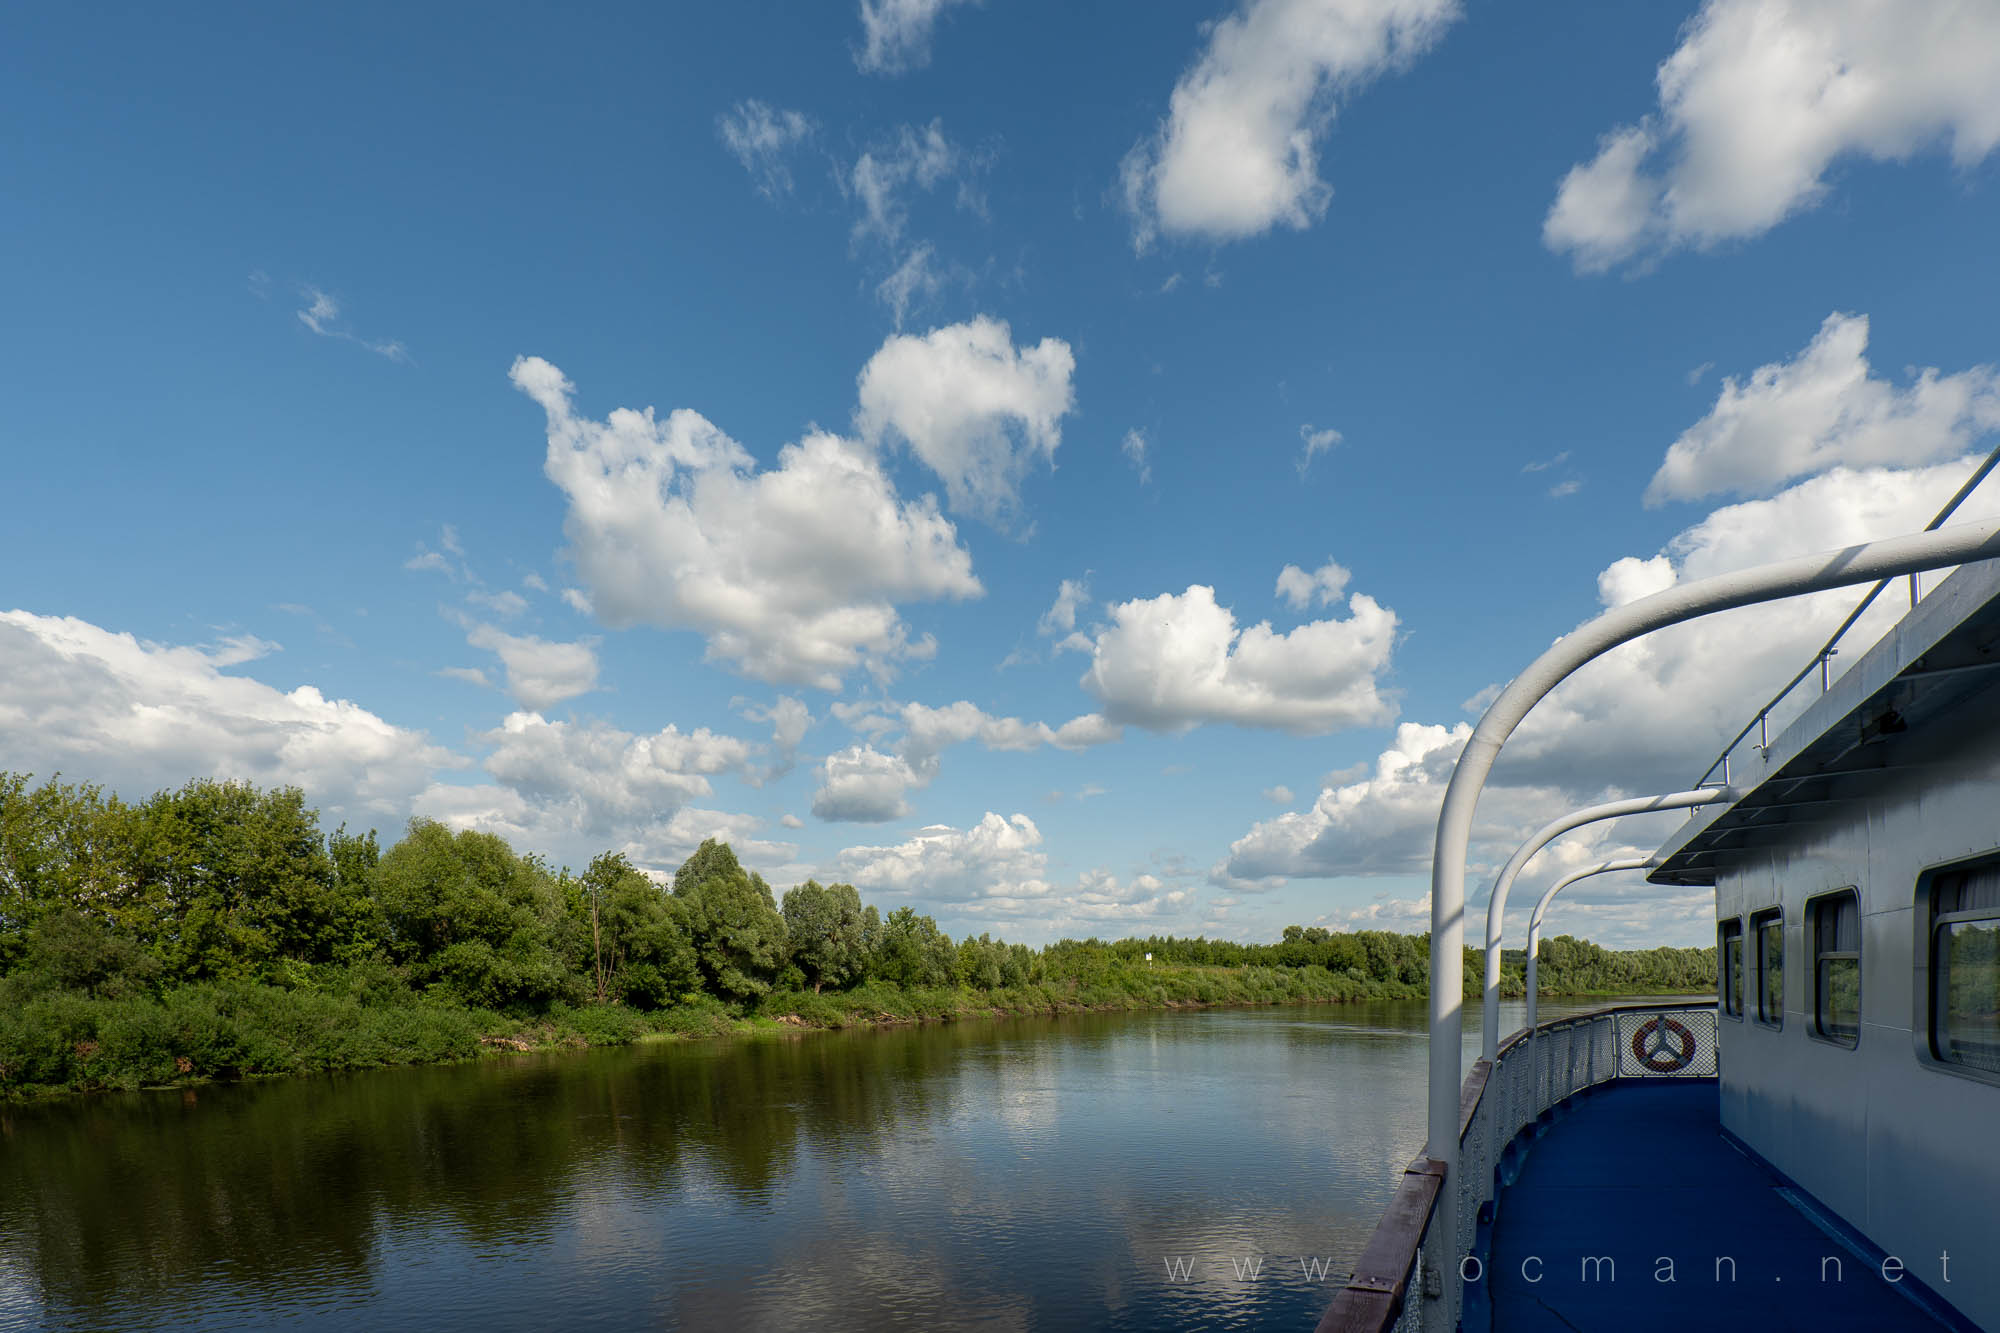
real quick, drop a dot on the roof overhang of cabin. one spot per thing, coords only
(1841, 748)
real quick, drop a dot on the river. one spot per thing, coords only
(1193, 1169)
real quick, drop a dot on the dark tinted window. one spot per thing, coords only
(1965, 968)
(1768, 930)
(1729, 962)
(1836, 945)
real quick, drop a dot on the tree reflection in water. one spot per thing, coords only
(1013, 1173)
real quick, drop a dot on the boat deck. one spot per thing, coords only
(1642, 1173)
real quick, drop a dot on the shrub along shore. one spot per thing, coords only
(214, 932)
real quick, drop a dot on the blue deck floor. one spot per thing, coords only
(1641, 1171)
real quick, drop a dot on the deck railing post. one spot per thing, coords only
(1866, 563)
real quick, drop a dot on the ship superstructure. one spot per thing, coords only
(1820, 1146)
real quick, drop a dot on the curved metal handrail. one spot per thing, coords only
(1503, 883)
(1533, 978)
(1830, 649)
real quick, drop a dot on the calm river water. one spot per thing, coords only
(1214, 1169)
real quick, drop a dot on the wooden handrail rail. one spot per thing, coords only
(1374, 1296)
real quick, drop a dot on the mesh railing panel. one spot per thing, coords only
(1670, 1044)
(1531, 1075)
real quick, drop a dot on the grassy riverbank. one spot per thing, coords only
(67, 1044)
(215, 932)
(362, 1018)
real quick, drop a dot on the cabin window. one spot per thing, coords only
(1768, 930)
(1729, 962)
(1836, 946)
(1965, 968)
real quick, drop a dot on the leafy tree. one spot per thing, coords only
(648, 958)
(987, 964)
(469, 915)
(738, 935)
(827, 931)
(356, 928)
(68, 950)
(914, 952)
(710, 860)
(61, 845)
(871, 939)
(227, 880)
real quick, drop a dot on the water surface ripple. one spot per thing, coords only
(1217, 1169)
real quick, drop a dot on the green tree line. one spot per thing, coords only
(216, 930)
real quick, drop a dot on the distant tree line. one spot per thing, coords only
(216, 929)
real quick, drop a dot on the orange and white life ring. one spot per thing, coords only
(1663, 1045)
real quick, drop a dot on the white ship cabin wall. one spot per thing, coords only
(1844, 1063)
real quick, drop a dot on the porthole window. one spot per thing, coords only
(1729, 966)
(1767, 931)
(1965, 968)
(1835, 923)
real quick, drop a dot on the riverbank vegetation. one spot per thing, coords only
(215, 931)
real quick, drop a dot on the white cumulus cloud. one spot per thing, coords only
(1378, 825)
(971, 406)
(539, 673)
(1650, 715)
(605, 778)
(1175, 661)
(792, 573)
(138, 716)
(864, 784)
(1822, 408)
(996, 871)
(1646, 717)
(1238, 152)
(995, 858)
(1760, 100)
(1300, 587)
(573, 789)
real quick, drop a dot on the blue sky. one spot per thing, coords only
(1031, 346)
